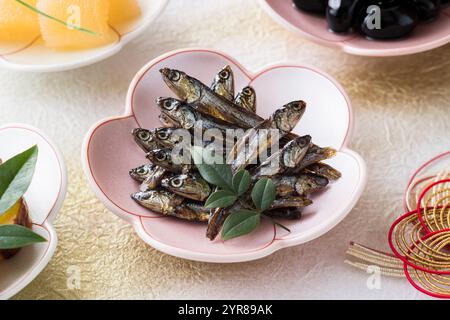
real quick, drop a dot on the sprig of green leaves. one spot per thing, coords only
(15, 178)
(230, 188)
(242, 221)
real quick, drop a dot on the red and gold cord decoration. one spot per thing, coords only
(420, 242)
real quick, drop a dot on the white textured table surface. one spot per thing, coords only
(402, 119)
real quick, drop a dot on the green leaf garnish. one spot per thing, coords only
(241, 182)
(263, 194)
(221, 199)
(29, 6)
(13, 236)
(216, 174)
(15, 177)
(240, 223)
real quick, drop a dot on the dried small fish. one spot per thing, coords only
(314, 154)
(168, 137)
(285, 185)
(287, 213)
(164, 159)
(217, 219)
(247, 99)
(324, 170)
(288, 157)
(170, 204)
(283, 119)
(191, 186)
(291, 202)
(294, 152)
(223, 83)
(158, 138)
(158, 201)
(299, 171)
(309, 182)
(207, 101)
(149, 175)
(193, 212)
(303, 184)
(167, 122)
(145, 139)
(187, 117)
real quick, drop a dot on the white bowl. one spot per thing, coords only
(36, 57)
(44, 197)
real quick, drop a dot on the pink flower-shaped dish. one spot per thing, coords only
(109, 152)
(44, 198)
(425, 37)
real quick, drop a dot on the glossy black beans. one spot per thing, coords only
(341, 14)
(396, 19)
(317, 6)
(427, 9)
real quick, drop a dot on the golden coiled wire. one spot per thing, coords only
(420, 241)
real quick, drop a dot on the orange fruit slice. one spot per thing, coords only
(123, 11)
(88, 14)
(17, 22)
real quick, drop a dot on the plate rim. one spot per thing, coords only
(206, 257)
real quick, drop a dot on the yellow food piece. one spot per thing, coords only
(88, 14)
(17, 214)
(123, 11)
(11, 214)
(17, 22)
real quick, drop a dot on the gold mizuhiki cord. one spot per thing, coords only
(363, 258)
(420, 241)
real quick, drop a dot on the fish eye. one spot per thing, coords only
(168, 105)
(247, 91)
(142, 171)
(174, 76)
(160, 156)
(144, 135)
(176, 183)
(163, 135)
(224, 74)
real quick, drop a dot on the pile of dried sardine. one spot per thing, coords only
(178, 190)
